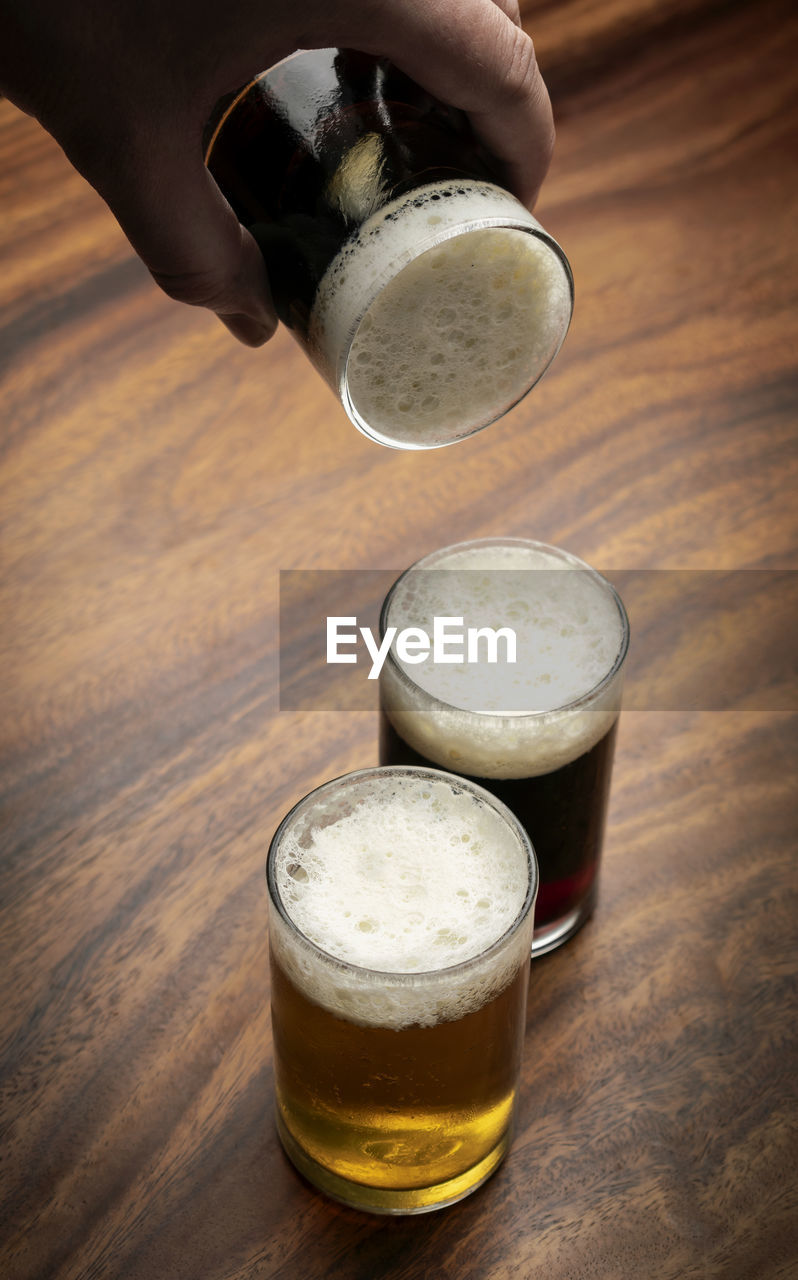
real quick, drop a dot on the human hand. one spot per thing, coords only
(126, 90)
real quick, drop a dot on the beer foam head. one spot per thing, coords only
(507, 719)
(391, 873)
(435, 318)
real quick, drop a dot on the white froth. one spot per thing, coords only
(419, 883)
(458, 336)
(416, 878)
(435, 319)
(507, 720)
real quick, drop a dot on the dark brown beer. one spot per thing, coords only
(423, 291)
(318, 143)
(537, 729)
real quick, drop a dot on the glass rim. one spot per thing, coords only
(501, 222)
(403, 977)
(521, 717)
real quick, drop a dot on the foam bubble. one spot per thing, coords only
(508, 720)
(434, 319)
(418, 877)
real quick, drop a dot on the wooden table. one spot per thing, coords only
(155, 479)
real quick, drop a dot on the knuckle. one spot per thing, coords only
(511, 9)
(198, 287)
(521, 80)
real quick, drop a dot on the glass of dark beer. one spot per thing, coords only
(400, 919)
(538, 732)
(425, 293)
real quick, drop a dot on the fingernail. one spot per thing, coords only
(251, 332)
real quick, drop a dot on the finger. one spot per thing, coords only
(511, 8)
(185, 232)
(472, 54)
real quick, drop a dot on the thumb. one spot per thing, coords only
(185, 232)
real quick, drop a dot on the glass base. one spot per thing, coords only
(394, 1201)
(553, 935)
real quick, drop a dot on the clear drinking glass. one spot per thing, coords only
(539, 733)
(400, 919)
(425, 293)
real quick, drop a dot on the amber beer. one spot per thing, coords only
(401, 908)
(541, 734)
(427, 296)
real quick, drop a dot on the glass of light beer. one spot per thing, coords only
(425, 293)
(400, 918)
(538, 732)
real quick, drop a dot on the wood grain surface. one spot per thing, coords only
(155, 479)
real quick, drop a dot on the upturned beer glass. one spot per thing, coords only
(538, 732)
(425, 293)
(400, 919)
